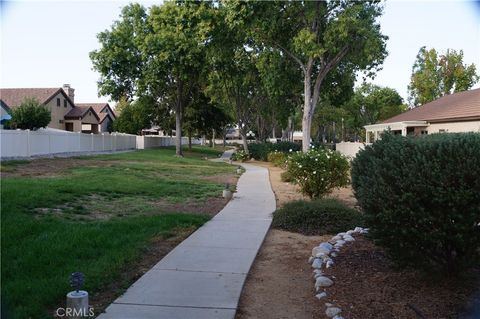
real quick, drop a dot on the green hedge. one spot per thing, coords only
(421, 198)
(260, 151)
(318, 217)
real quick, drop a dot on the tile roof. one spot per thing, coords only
(97, 107)
(77, 111)
(103, 116)
(15, 97)
(458, 106)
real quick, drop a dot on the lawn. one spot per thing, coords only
(97, 216)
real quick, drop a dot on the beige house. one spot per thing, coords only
(458, 112)
(66, 115)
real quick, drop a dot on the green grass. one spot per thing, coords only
(41, 248)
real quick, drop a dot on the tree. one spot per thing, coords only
(30, 115)
(160, 54)
(319, 36)
(134, 116)
(434, 76)
(371, 104)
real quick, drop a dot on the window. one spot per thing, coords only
(441, 130)
(424, 132)
(58, 101)
(64, 103)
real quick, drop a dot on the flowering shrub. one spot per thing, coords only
(318, 172)
(240, 155)
(277, 158)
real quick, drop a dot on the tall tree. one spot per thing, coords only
(318, 36)
(434, 75)
(371, 104)
(160, 54)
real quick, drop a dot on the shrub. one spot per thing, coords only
(286, 177)
(240, 155)
(318, 172)
(30, 115)
(260, 151)
(421, 198)
(277, 158)
(318, 217)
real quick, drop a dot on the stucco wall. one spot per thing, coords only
(58, 112)
(472, 126)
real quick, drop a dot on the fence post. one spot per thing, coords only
(103, 142)
(79, 142)
(91, 134)
(28, 143)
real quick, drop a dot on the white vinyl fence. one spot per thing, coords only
(151, 141)
(349, 149)
(25, 143)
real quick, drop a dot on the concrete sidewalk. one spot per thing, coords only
(204, 275)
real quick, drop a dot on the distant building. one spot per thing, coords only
(458, 112)
(66, 115)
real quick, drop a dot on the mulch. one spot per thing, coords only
(367, 285)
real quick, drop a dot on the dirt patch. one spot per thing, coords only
(280, 282)
(222, 178)
(47, 167)
(104, 207)
(367, 286)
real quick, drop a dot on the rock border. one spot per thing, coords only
(322, 258)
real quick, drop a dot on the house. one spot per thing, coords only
(458, 112)
(105, 114)
(66, 115)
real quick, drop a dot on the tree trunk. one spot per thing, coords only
(307, 114)
(224, 138)
(213, 138)
(244, 142)
(189, 140)
(178, 129)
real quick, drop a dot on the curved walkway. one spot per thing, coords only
(204, 275)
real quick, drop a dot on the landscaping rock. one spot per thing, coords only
(336, 238)
(348, 238)
(332, 311)
(334, 254)
(321, 295)
(317, 263)
(329, 263)
(323, 281)
(350, 232)
(326, 245)
(310, 260)
(338, 317)
(320, 250)
(358, 229)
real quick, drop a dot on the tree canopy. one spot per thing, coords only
(435, 75)
(319, 36)
(30, 115)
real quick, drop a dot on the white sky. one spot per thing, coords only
(46, 43)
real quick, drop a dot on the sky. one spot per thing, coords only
(46, 43)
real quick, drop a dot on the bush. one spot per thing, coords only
(421, 198)
(318, 172)
(30, 115)
(277, 158)
(240, 155)
(260, 151)
(318, 217)
(286, 177)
